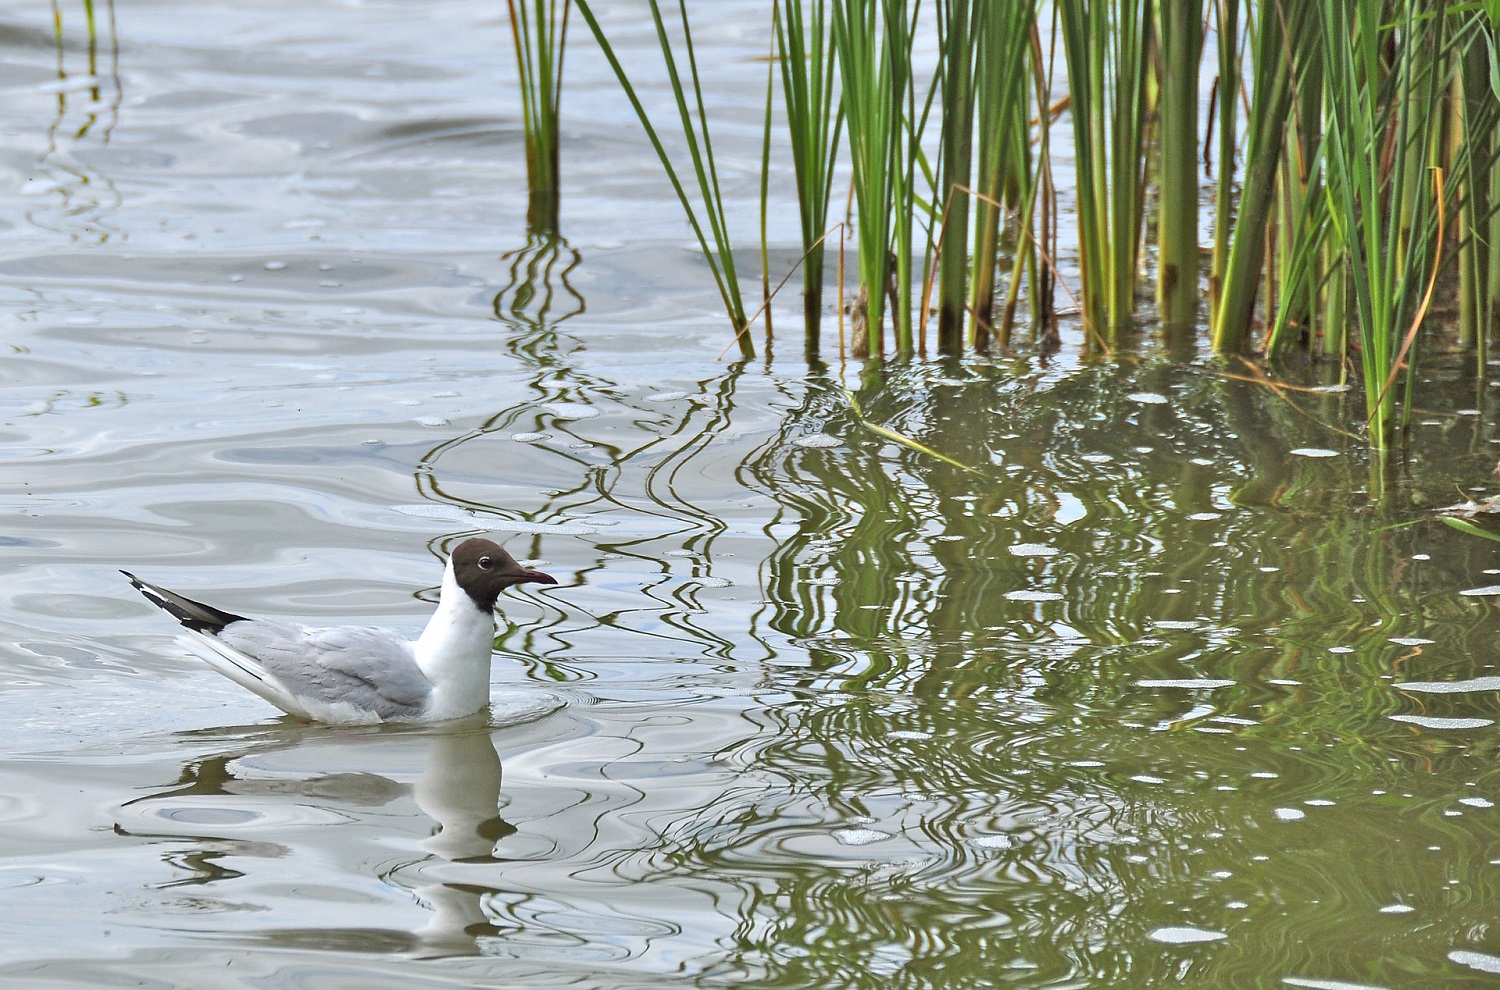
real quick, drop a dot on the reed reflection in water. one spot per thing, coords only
(1126, 690)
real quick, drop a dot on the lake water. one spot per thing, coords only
(1156, 691)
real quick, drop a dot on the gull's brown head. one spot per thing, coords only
(483, 569)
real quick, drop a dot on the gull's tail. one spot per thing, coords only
(193, 615)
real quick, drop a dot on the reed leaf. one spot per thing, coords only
(1464, 526)
(902, 439)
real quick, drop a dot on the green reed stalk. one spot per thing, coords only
(1331, 261)
(869, 109)
(1490, 273)
(872, 43)
(1079, 24)
(1127, 60)
(907, 158)
(1280, 34)
(911, 209)
(1335, 307)
(1041, 218)
(807, 65)
(1470, 249)
(1030, 188)
(1105, 45)
(1476, 174)
(539, 29)
(1487, 313)
(1181, 36)
(1383, 81)
(1226, 113)
(1304, 257)
(1296, 270)
(694, 122)
(1002, 35)
(766, 294)
(1304, 175)
(957, 34)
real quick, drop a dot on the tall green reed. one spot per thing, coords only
(872, 41)
(958, 31)
(1280, 37)
(813, 118)
(1383, 79)
(539, 29)
(1002, 110)
(1106, 46)
(1370, 135)
(1180, 34)
(693, 119)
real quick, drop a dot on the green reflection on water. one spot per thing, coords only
(971, 786)
(1121, 709)
(1134, 679)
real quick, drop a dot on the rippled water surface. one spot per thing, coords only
(1153, 691)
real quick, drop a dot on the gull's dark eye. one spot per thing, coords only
(484, 563)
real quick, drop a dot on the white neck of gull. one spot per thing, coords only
(454, 652)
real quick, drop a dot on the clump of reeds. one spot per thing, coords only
(1371, 143)
(1361, 165)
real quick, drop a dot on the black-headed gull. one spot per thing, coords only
(355, 675)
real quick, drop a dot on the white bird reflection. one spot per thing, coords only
(460, 791)
(245, 832)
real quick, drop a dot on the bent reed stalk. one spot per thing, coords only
(695, 131)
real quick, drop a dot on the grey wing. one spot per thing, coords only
(371, 669)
